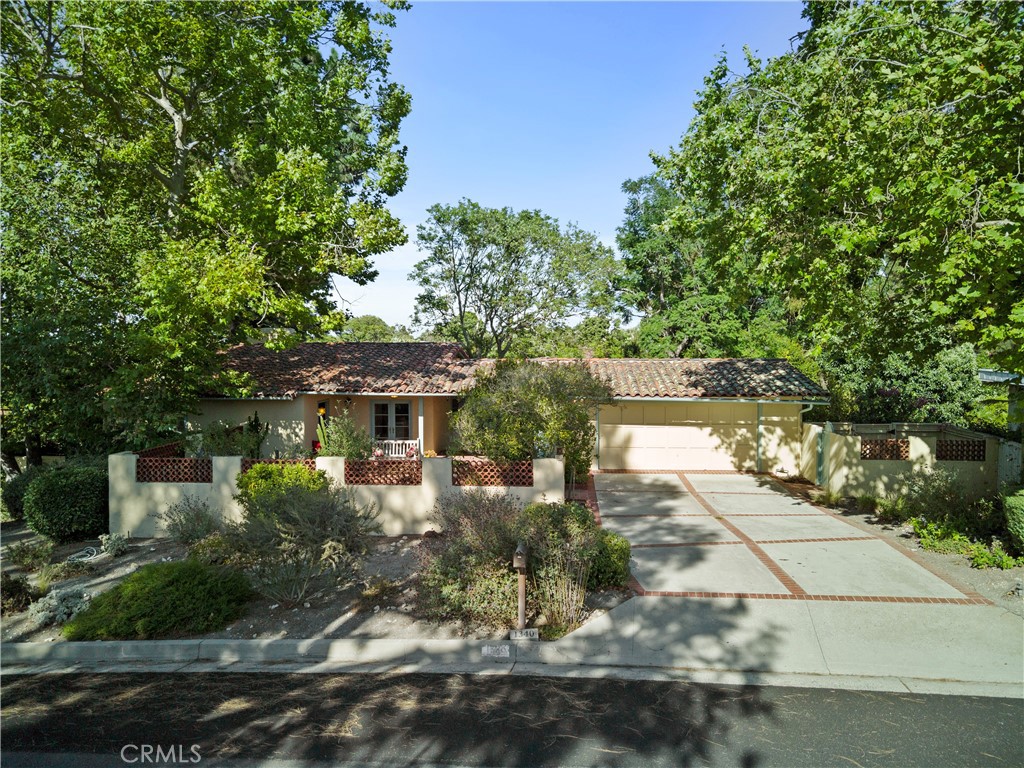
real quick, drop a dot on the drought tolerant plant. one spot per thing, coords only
(164, 600)
(265, 486)
(68, 503)
(58, 606)
(341, 436)
(114, 544)
(30, 555)
(15, 594)
(189, 520)
(561, 585)
(62, 571)
(293, 537)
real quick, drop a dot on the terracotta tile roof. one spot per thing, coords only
(428, 368)
(737, 377)
(407, 368)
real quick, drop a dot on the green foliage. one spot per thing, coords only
(15, 594)
(189, 520)
(467, 572)
(266, 487)
(341, 436)
(62, 571)
(526, 409)
(372, 328)
(114, 544)
(290, 540)
(945, 538)
(866, 504)
(164, 600)
(220, 438)
(68, 503)
(157, 221)
(828, 498)
(15, 488)
(1013, 509)
(492, 276)
(30, 555)
(865, 178)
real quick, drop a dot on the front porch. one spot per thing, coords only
(401, 426)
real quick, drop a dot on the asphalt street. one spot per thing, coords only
(291, 720)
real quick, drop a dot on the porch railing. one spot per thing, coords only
(398, 449)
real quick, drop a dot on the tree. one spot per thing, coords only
(873, 170)
(524, 409)
(372, 328)
(205, 170)
(689, 306)
(493, 276)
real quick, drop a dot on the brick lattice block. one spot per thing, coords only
(383, 472)
(960, 450)
(248, 464)
(175, 450)
(885, 450)
(484, 472)
(150, 470)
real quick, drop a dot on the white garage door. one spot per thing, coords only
(692, 436)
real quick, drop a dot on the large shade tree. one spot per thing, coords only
(494, 276)
(180, 176)
(872, 177)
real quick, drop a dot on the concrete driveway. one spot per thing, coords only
(719, 535)
(734, 573)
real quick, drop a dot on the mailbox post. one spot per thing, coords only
(519, 563)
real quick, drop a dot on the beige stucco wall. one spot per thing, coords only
(809, 452)
(134, 507)
(287, 419)
(849, 475)
(694, 435)
(293, 422)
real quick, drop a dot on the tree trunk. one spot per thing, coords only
(10, 464)
(33, 450)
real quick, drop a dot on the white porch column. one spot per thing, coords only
(419, 431)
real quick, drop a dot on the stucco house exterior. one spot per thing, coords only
(729, 414)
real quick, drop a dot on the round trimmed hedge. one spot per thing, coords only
(68, 503)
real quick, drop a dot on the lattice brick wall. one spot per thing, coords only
(164, 470)
(248, 464)
(383, 472)
(175, 450)
(885, 450)
(488, 473)
(960, 450)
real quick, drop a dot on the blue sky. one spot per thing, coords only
(550, 106)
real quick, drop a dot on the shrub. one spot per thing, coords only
(484, 592)
(114, 544)
(15, 594)
(189, 520)
(290, 541)
(561, 585)
(610, 566)
(486, 524)
(937, 496)
(164, 600)
(30, 555)
(214, 549)
(68, 503)
(941, 537)
(828, 498)
(219, 438)
(58, 607)
(341, 436)
(264, 487)
(866, 504)
(1013, 509)
(14, 490)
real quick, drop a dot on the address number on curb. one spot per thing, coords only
(524, 634)
(498, 651)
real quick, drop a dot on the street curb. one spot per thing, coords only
(321, 656)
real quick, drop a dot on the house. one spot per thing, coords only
(735, 414)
